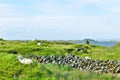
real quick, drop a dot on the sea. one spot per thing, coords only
(102, 43)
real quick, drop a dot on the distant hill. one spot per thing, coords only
(88, 40)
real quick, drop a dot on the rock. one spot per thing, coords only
(78, 49)
(100, 66)
(38, 43)
(13, 52)
(87, 57)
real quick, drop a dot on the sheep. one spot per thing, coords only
(87, 57)
(24, 60)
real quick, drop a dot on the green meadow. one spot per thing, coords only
(12, 69)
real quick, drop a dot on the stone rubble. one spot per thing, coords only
(100, 66)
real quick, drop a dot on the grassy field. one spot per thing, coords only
(12, 69)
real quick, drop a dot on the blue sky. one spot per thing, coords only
(60, 19)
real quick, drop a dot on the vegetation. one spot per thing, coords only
(12, 69)
(1, 39)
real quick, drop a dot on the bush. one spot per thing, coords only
(1, 39)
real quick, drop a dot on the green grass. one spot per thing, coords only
(12, 69)
(110, 53)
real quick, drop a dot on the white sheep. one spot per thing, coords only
(87, 57)
(24, 60)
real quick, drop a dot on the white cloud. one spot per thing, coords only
(61, 25)
(59, 19)
(116, 10)
(9, 10)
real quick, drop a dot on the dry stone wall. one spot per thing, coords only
(100, 66)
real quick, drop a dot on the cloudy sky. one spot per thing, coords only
(60, 19)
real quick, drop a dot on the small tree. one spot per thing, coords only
(87, 42)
